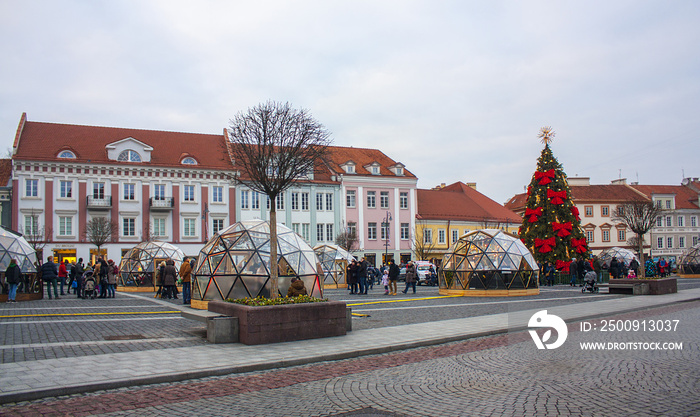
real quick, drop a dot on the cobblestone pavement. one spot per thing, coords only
(497, 375)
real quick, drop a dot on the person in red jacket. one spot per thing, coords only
(63, 273)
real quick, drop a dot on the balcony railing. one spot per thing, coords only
(161, 203)
(104, 203)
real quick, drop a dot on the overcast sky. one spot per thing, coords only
(455, 90)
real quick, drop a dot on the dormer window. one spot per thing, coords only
(350, 169)
(129, 156)
(67, 155)
(189, 161)
(375, 170)
(399, 171)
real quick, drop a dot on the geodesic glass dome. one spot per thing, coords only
(622, 255)
(690, 261)
(235, 263)
(334, 261)
(137, 266)
(14, 246)
(488, 259)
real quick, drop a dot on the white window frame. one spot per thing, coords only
(681, 241)
(217, 194)
(31, 225)
(295, 202)
(669, 242)
(350, 198)
(189, 192)
(159, 192)
(427, 236)
(319, 201)
(98, 190)
(669, 221)
(606, 235)
(189, 227)
(371, 199)
(352, 228)
(679, 221)
(31, 187)
(217, 225)
(159, 227)
(693, 222)
(372, 231)
(129, 191)
(405, 231)
(129, 225)
(329, 202)
(660, 242)
(329, 232)
(304, 201)
(384, 199)
(442, 236)
(279, 202)
(66, 189)
(244, 200)
(319, 232)
(403, 200)
(455, 235)
(306, 231)
(255, 200)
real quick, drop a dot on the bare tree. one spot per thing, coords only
(423, 243)
(640, 217)
(148, 235)
(347, 240)
(100, 230)
(37, 236)
(275, 145)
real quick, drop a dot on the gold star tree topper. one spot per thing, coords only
(546, 135)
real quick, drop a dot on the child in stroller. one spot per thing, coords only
(89, 285)
(590, 282)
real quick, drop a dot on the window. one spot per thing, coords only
(605, 211)
(329, 201)
(295, 203)
(254, 200)
(588, 210)
(158, 227)
(217, 195)
(371, 199)
(660, 242)
(189, 161)
(129, 227)
(606, 235)
(129, 156)
(659, 221)
(620, 211)
(695, 240)
(268, 202)
(217, 225)
(329, 232)
(306, 231)
(189, 192)
(159, 191)
(32, 188)
(385, 231)
(428, 236)
(669, 222)
(658, 203)
(680, 221)
(305, 201)
(244, 199)
(403, 200)
(693, 221)
(668, 205)
(296, 229)
(189, 229)
(66, 189)
(404, 231)
(399, 171)
(319, 232)
(129, 193)
(372, 231)
(589, 236)
(455, 235)
(31, 225)
(67, 154)
(350, 198)
(441, 236)
(669, 242)
(374, 170)
(621, 235)
(279, 202)
(681, 241)
(350, 169)
(319, 201)
(352, 228)
(384, 199)
(98, 190)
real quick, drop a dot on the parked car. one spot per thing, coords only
(402, 274)
(423, 272)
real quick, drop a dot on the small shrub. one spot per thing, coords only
(263, 301)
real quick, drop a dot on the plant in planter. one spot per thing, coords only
(263, 301)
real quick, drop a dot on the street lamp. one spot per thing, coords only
(387, 219)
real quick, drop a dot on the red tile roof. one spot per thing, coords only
(685, 197)
(607, 193)
(362, 157)
(460, 202)
(5, 172)
(40, 141)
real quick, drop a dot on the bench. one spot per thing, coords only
(220, 328)
(634, 288)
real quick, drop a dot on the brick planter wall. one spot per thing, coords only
(656, 286)
(284, 323)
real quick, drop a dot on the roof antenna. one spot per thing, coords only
(619, 175)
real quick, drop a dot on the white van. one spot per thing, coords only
(423, 271)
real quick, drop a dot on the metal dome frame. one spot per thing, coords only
(138, 264)
(334, 261)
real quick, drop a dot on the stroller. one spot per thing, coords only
(89, 285)
(589, 282)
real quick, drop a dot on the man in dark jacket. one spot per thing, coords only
(49, 273)
(394, 272)
(77, 274)
(12, 275)
(362, 275)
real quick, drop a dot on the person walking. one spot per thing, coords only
(100, 275)
(13, 278)
(112, 274)
(169, 279)
(63, 274)
(394, 272)
(385, 281)
(186, 277)
(352, 277)
(410, 277)
(362, 276)
(49, 273)
(614, 268)
(78, 270)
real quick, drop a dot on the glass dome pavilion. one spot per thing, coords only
(235, 263)
(14, 246)
(621, 254)
(137, 266)
(690, 261)
(488, 262)
(334, 261)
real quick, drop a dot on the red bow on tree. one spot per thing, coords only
(562, 229)
(575, 212)
(556, 196)
(562, 265)
(579, 244)
(545, 177)
(545, 245)
(533, 214)
(529, 190)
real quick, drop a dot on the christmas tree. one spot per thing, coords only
(551, 226)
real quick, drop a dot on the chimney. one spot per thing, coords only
(621, 181)
(472, 185)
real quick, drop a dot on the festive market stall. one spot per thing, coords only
(689, 266)
(14, 246)
(334, 261)
(235, 263)
(488, 262)
(622, 255)
(136, 270)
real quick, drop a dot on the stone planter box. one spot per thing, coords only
(656, 286)
(285, 323)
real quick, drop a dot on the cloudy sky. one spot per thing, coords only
(456, 90)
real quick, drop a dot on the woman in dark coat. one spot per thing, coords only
(352, 277)
(170, 278)
(614, 268)
(411, 277)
